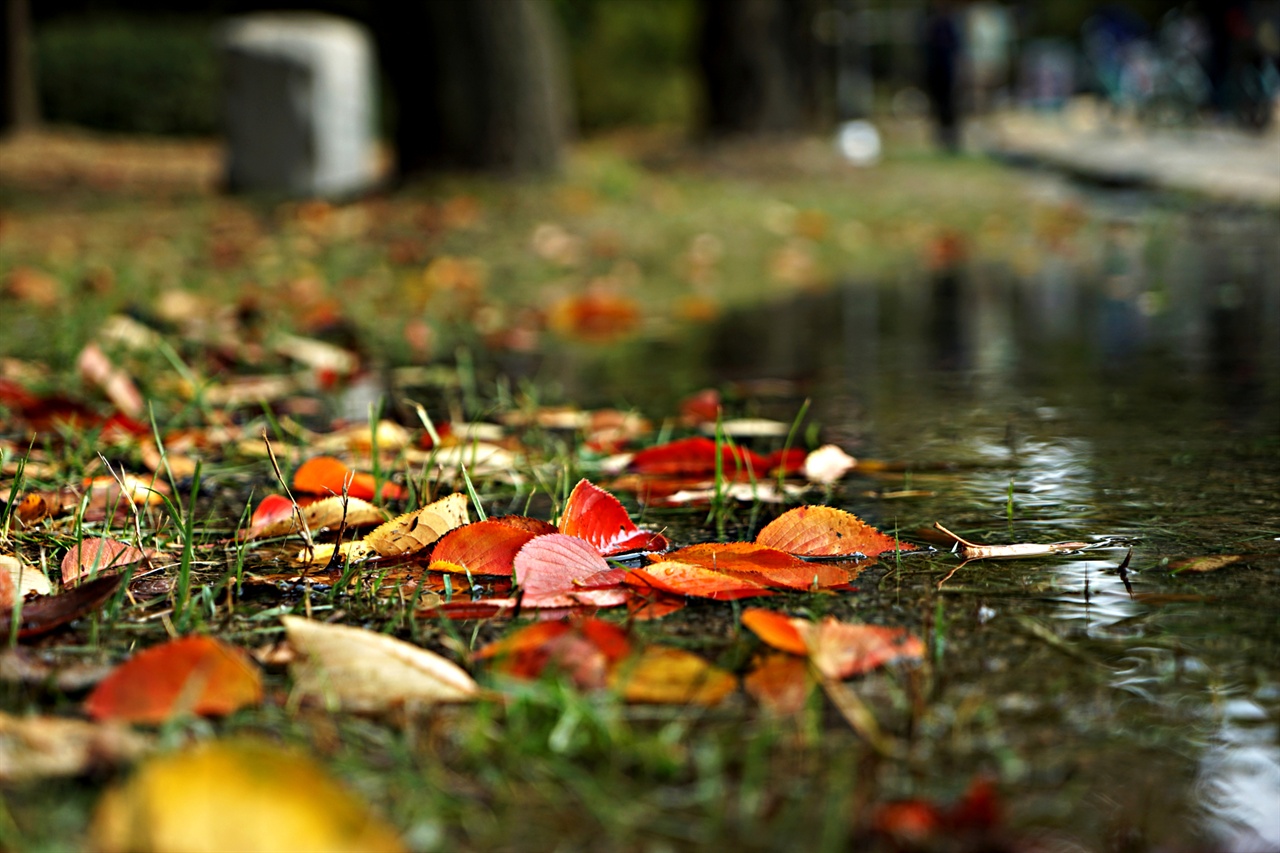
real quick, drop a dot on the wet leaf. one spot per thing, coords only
(558, 570)
(34, 747)
(198, 675)
(1209, 563)
(356, 670)
(593, 514)
(661, 675)
(415, 531)
(823, 531)
(768, 565)
(776, 629)
(325, 475)
(481, 548)
(695, 581)
(695, 456)
(243, 795)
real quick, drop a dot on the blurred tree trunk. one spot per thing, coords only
(477, 84)
(762, 67)
(18, 109)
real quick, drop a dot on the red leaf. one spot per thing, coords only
(325, 475)
(696, 581)
(593, 514)
(106, 556)
(823, 531)
(695, 456)
(196, 674)
(586, 650)
(480, 548)
(791, 461)
(552, 570)
(770, 565)
(272, 509)
(840, 650)
(776, 629)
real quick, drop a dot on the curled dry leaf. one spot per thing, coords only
(414, 531)
(593, 514)
(973, 551)
(662, 675)
(356, 670)
(823, 531)
(34, 748)
(241, 794)
(198, 675)
(481, 548)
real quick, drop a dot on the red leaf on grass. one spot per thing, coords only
(196, 674)
(823, 531)
(480, 548)
(552, 570)
(593, 514)
(693, 457)
(325, 475)
(791, 460)
(272, 509)
(696, 581)
(774, 567)
(106, 556)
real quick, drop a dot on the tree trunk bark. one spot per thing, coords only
(477, 84)
(18, 105)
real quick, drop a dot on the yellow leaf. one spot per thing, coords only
(242, 795)
(672, 676)
(356, 670)
(415, 530)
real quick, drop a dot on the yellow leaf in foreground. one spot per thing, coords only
(672, 676)
(356, 670)
(242, 795)
(415, 530)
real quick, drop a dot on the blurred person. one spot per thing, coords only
(943, 48)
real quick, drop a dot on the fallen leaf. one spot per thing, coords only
(823, 531)
(695, 456)
(414, 531)
(696, 581)
(198, 675)
(662, 675)
(241, 794)
(33, 748)
(104, 556)
(96, 368)
(325, 514)
(554, 571)
(585, 651)
(840, 650)
(780, 683)
(480, 548)
(776, 629)
(973, 551)
(44, 613)
(356, 670)
(593, 514)
(768, 565)
(325, 475)
(827, 464)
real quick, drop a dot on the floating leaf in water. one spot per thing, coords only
(973, 551)
(199, 675)
(1209, 563)
(593, 514)
(823, 531)
(414, 531)
(243, 795)
(357, 670)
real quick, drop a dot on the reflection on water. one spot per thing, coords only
(1240, 779)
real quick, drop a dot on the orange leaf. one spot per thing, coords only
(585, 651)
(325, 475)
(696, 581)
(840, 649)
(776, 629)
(8, 590)
(770, 565)
(673, 676)
(593, 514)
(196, 674)
(823, 531)
(272, 509)
(414, 531)
(480, 548)
(553, 569)
(780, 683)
(695, 456)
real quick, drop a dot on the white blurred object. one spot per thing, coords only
(859, 142)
